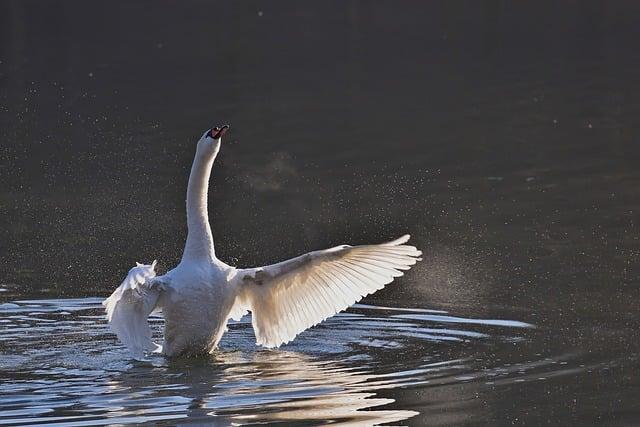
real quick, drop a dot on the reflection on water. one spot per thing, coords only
(60, 364)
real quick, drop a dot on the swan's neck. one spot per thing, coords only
(199, 238)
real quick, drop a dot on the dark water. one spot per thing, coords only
(503, 136)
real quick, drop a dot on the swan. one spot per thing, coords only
(199, 296)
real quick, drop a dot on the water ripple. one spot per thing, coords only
(60, 364)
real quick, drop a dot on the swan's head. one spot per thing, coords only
(217, 132)
(210, 141)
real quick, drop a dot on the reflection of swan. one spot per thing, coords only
(199, 296)
(321, 391)
(235, 387)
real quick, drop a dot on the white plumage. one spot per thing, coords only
(129, 306)
(289, 297)
(202, 293)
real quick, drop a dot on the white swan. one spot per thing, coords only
(202, 293)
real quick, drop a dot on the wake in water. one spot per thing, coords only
(54, 368)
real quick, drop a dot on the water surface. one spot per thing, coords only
(60, 364)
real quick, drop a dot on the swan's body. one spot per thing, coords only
(200, 295)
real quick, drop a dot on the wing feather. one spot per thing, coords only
(129, 306)
(288, 297)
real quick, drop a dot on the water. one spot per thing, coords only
(60, 364)
(502, 136)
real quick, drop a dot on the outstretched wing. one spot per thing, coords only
(291, 296)
(129, 306)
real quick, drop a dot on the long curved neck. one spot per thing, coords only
(199, 238)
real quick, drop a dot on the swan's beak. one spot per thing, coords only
(218, 132)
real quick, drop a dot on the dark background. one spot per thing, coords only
(502, 135)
